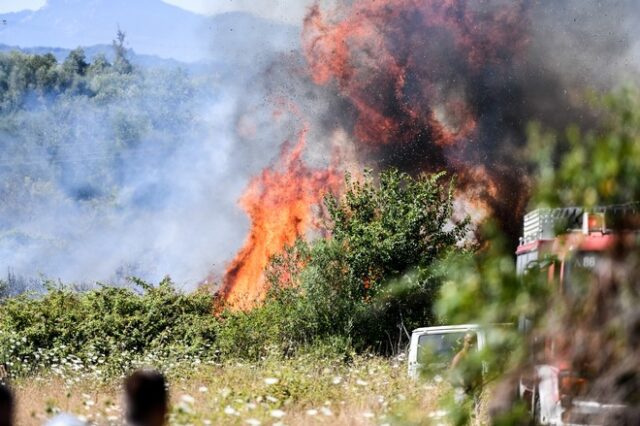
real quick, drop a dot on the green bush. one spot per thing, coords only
(104, 323)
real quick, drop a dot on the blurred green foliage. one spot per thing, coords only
(587, 168)
(595, 166)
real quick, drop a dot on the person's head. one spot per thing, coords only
(469, 340)
(146, 398)
(6, 406)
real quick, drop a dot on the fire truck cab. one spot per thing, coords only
(572, 242)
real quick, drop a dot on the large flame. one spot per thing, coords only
(280, 204)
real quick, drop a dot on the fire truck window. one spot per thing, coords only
(578, 271)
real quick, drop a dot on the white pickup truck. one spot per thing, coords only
(435, 347)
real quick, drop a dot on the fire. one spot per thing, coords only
(418, 79)
(424, 79)
(397, 61)
(279, 203)
(477, 194)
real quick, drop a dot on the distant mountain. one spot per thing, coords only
(152, 28)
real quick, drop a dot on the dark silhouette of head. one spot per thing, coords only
(6, 406)
(147, 398)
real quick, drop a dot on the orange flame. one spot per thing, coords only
(279, 203)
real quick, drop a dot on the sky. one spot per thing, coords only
(289, 11)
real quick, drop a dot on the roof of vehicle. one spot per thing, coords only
(448, 327)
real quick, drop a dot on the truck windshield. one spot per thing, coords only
(435, 351)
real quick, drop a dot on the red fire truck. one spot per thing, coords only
(571, 241)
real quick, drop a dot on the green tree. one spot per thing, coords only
(392, 227)
(121, 62)
(45, 71)
(371, 280)
(76, 63)
(99, 66)
(4, 289)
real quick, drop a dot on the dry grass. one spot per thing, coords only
(301, 391)
(41, 397)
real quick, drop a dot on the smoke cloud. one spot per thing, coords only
(432, 85)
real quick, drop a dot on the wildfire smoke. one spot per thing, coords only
(428, 85)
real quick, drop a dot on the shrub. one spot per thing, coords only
(371, 281)
(104, 323)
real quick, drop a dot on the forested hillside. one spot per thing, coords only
(81, 147)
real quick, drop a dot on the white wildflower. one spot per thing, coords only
(278, 414)
(188, 399)
(271, 380)
(326, 411)
(438, 414)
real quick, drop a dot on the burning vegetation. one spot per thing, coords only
(414, 76)
(425, 86)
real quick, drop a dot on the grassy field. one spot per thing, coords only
(301, 391)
